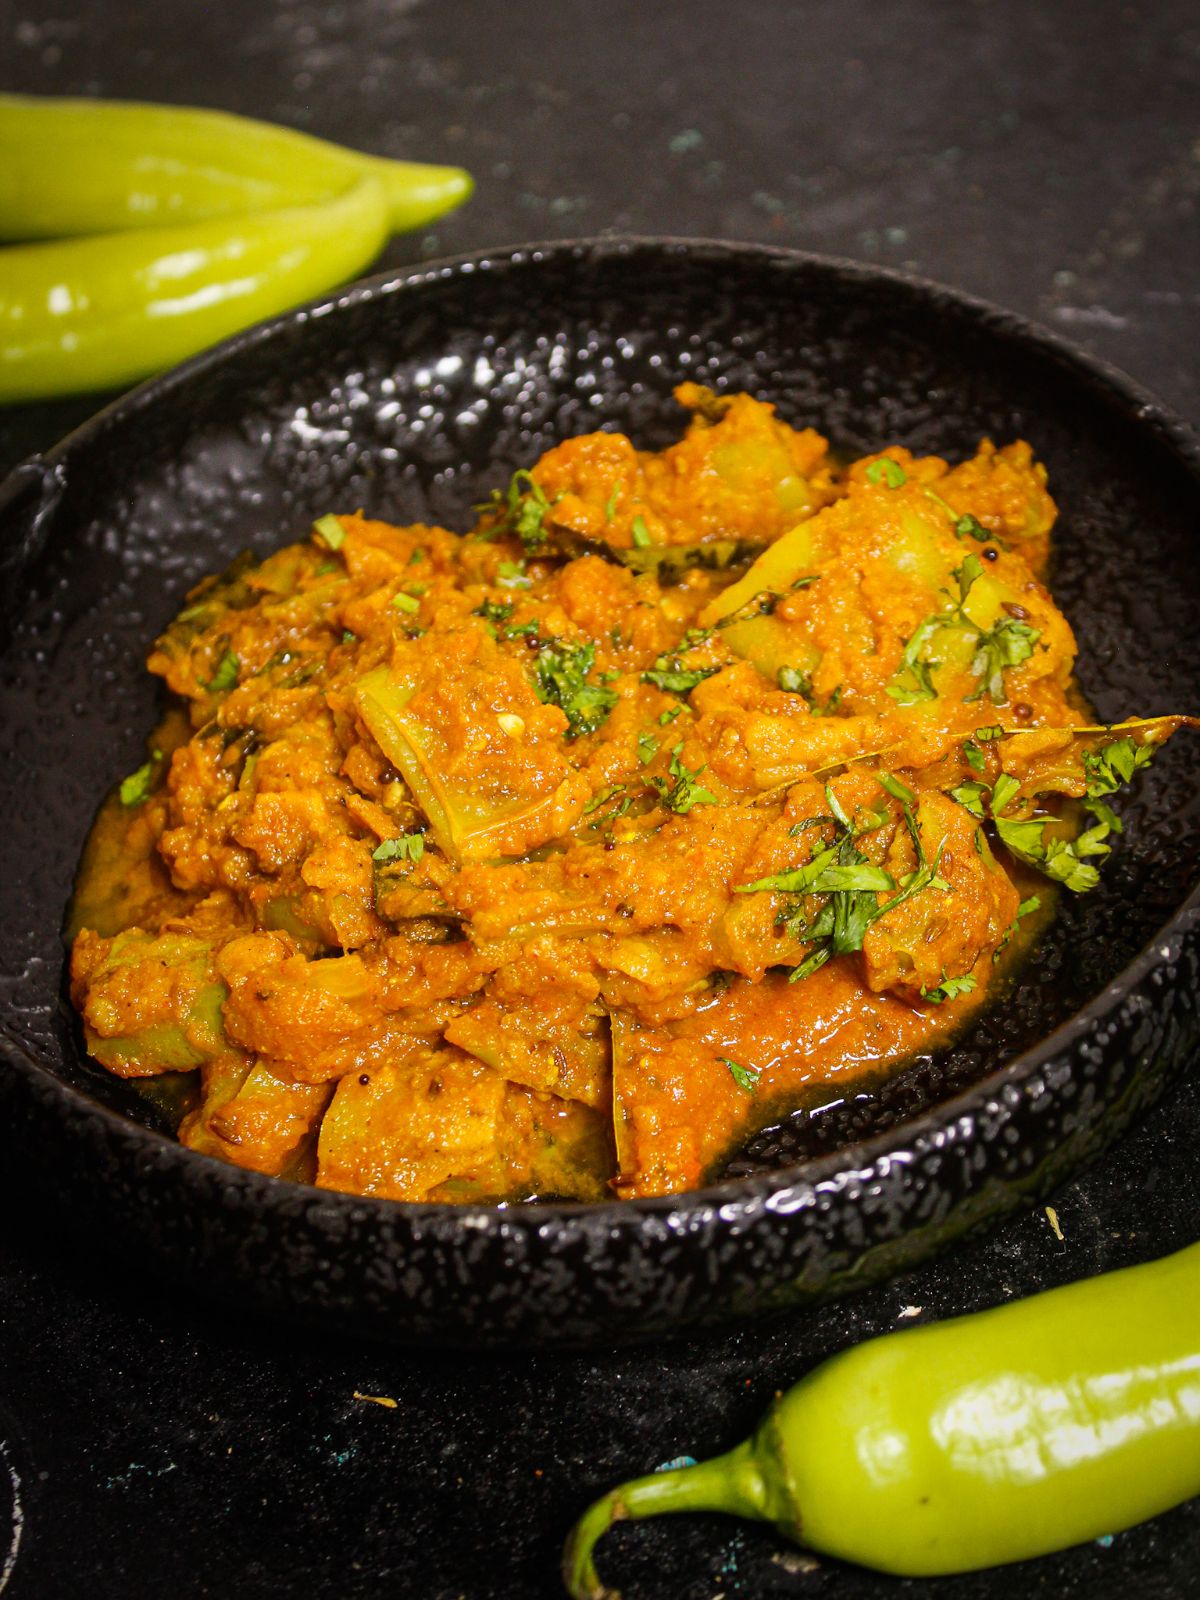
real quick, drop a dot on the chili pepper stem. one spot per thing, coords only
(732, 1482)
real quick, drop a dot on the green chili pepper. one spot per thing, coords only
(75, 167)
(969, 1443)
(94, 313)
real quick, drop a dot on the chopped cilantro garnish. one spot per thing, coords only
(511, 575)
(670, 675)
(986, 735)
(330, 531)
(496, 611)
(1004, 645)
(407, 603)
(669, 715)
(885, 470)
(647, 748)
(1115, 764)
(974, 755)
(226, 675)
(407, 847)
(639, 533)
(851, 885)
(140, 785)
(950, 988)
(970, 794)
(745, 1077)
(610, 506)
(562, 680)
(898, 791)
(417, 555)
(969, 527)
(681, 793)
(521, 509)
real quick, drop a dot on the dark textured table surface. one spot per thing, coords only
(1044, 156)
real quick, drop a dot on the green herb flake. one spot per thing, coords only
(885, 470)
(494, 611)
(226, 675)
(610, 505)
(974, 755)
(670, 675)
(511, 575)
(898, 790)
(408, 603)
(640, 533)
(140, 785)
(417, 555)
(745, 1077)
(986, 735)
(969, 527)
(330, 532)
(681, 793)
(647, 748)
(950, 988)
(561, 679)
(669, 715)
(970, 795)
(520, 509)
(407, 847)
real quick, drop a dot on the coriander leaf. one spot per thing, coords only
(950, 988)
(885, 470)
(511, 575)
(407, 603)
(745, 1077)
(898, 790)
(970, 796)
(226, 675)
(140, 785)
(1112, 766)
(670, 675)
(495, 611)
(521, 509)
(647, 748)
(562, 680)
(974, 755)
(986, 735)
(1004, 791)
(669, 715)
(610, 507)
(969, 527)
(639, 533)
(1005, 645)
(682, 793)
(406, 847)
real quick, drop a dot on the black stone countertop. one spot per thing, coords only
(1044, 156)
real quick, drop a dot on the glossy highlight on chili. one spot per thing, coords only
(969, 1443)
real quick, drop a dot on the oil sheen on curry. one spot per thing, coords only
(556, 858)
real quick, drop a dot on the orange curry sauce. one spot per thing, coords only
(555, 858)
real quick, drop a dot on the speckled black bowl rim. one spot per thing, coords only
(736, 1201)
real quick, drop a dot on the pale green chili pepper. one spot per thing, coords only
(75, 167)
(970, 1443)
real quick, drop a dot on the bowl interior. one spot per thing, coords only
(414, 398)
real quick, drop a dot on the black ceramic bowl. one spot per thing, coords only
(411, 396)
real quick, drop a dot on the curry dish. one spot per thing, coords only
(556, 858)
